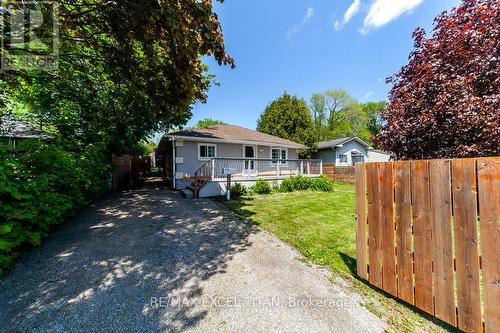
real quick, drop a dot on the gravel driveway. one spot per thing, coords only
(151, 261)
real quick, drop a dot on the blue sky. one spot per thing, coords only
(304, 47)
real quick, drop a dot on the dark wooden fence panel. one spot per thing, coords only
(424, 244)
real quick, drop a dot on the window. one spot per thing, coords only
(206, 151)
(278, 154)
(357, 157)
(343, 158)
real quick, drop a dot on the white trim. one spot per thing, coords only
(236, 141)
(281, 148)
(208, 145)
(340, 145)
(254, 150)
(174, 165)
(252, 171)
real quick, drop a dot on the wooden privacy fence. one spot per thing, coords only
(428, 232)
(339, 173)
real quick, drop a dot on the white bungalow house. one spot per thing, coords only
(194, 159)
(349, 151)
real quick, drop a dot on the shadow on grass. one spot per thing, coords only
(350, 262)
(238, 206)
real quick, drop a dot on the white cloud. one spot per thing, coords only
(292, 31)
(368, 94)
(352, 10)
(308, 16)
(349, 13)
(382, 12)
(306, 20)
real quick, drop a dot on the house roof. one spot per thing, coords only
(380, 151)
(21, 130)
(233, 134)
(340, 141)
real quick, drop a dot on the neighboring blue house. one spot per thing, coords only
(349, 151)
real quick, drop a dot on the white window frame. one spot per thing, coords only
(355, 153)
(346, 158)
(208, 145)
(281, 150)
(254, 150)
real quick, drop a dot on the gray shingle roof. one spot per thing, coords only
(235, 133)
(339, 141)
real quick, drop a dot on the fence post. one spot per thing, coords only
(361, 219)
(321, 167)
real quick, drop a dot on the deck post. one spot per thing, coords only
(278, 168)
(321, 167)
(301, 167)
(212, 175)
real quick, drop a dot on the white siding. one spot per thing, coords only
(347, 149)
(375, 156)
(189, 154)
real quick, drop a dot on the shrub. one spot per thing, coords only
(321, 183)
(238, 190)
(40, 186)
(262, 187)
(301, 182)
(287, 185)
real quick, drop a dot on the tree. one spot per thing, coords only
(446, 101)
(337, 114)
(288, 117)
(208, 122)
(125, 70)
(373, 111)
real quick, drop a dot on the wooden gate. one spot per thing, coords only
(428, 232)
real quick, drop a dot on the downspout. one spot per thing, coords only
(174, 166)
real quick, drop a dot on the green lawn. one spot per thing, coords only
(322, 227)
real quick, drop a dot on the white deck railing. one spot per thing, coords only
(260, 168)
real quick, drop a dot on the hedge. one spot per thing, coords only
(41, 185)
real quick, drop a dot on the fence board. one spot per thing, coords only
(440, 209)
(404, 242)
(422, 231)
(374, 225)
(489, 203)
(386, 189)
(339, 173)
(467, 259)
(361, 236)
(424, 245)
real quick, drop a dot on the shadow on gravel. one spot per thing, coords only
(135, 261)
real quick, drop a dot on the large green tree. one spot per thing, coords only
(373, 111)
(337, 114)
(208, 122)
(126, 68)
(288, 117)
